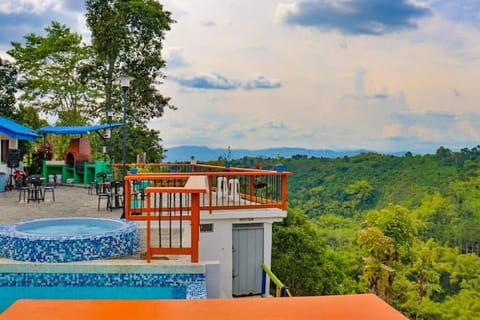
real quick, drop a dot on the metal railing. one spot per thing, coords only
(281, 290)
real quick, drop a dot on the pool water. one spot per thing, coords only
(69, 226)
(59, 230)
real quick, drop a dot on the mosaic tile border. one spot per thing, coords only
(30, 247)
(196, 291)
(186, 286)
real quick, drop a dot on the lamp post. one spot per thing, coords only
(124, 83)
(108, 134)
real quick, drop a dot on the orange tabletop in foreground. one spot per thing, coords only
(346, 307)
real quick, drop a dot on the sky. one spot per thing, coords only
(382, 75)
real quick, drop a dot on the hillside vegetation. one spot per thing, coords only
(405, 228)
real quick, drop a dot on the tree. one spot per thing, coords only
(378, 268)
(420, 280)
(128, 35)
(302, 260)
(398, 223)
(141, 140)
(8, 88)
(387, 240)
(360, 193)
(464, 226)
(50, 73)
(29, 116)
(436, 213)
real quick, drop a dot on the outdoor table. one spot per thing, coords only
(103, 176)
(117, 194)
(104, 186)
(34, 183)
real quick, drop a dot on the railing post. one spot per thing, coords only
(210, 193)
(195, 225)
(126, 198)
(149, 255)
(264, 283)
(284, 191)
(252, 187)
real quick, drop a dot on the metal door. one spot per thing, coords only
(247, 259)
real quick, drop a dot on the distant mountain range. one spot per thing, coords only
(202, 153)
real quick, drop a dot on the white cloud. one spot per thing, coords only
(393, 130)
(25, 6)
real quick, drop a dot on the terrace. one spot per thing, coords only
(172, 199)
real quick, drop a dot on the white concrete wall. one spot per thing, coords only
(217, 245)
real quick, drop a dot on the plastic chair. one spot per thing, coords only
(116, 194)
(21, 186)
(234, 186)
(222, 188)
(92, 186)
(104, 193)
(22, 192)
(50, 187)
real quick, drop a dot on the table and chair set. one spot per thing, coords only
(109, 189)
(33, 188)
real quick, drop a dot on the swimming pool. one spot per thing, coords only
(40, 274)
(100, 280)
(68, 239)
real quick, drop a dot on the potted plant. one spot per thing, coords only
(279, 166)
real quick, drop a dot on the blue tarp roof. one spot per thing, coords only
(77, 129)
(16, 130)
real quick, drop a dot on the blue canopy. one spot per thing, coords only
(77, 129)
(16, 130)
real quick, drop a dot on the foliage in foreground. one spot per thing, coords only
(405, 228)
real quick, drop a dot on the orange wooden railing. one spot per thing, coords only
(174, 197)
(255, 188)
(194, 186)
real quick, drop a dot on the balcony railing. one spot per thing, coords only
(227, 188)
(171, 198)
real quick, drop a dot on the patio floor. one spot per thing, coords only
(71, 201)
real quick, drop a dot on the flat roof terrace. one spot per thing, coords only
(347, 307)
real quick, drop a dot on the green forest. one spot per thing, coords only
(405, 228)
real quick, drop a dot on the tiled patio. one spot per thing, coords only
(71, 201)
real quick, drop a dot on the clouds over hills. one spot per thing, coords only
(216, 81)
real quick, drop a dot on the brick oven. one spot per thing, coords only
(78, 153)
